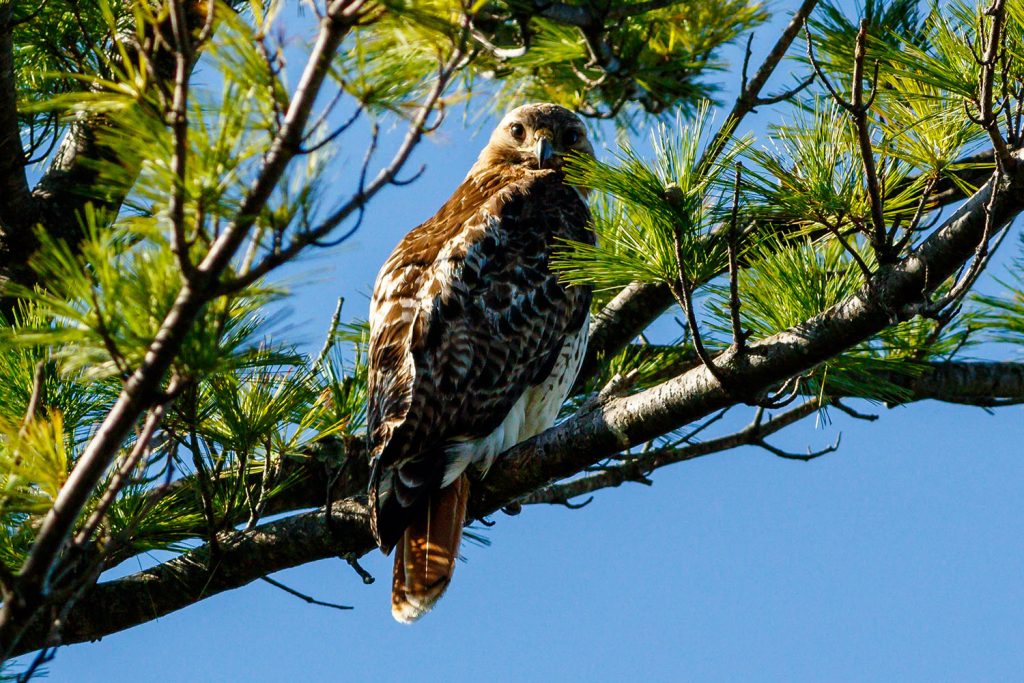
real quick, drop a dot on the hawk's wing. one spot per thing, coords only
(466, 315)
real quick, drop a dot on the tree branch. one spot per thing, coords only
(570, 447)
(243, 557)
(975, 383)
(625, 422)
(17, 200)
(143, 387)
(637, 305)
(646, 463)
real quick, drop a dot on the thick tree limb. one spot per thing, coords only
(981, 383)
(888, 297)
(243, 557)
(639, 304)
(975, 383)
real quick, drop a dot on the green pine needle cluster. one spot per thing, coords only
(811, 176)
(647, 204)
(658, 58)
(247, 403)
(1001, 316)
(795, 281)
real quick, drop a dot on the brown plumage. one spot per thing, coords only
(474, 342)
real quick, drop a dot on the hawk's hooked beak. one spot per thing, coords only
(544, 152)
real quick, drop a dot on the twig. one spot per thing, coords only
(681, 289)
(38, 396)
(805, 457)
(857, 415)
(353, 561)
(752, 434)
(982, 255)
(179, 124)
(990, 120)
(857, 108)
(739, 337)
(128, 465)
(747, 99)
(302, 596)
(786, 94)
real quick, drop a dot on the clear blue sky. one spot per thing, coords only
(897, 558)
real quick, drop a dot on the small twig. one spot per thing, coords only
(121, 475)
(615, 387)
(747, 99)
(915, 220)
(353, 561)
(302, 596)
(854, 254)
(821, 72)
(989, 119)
(810, 455)
(857, 415)
(334, 134)
(739, 337)
(682, 291)
(577, 506)
(693, 433)
(785, 94)
(982, 255)
(179, 125)
(38, 396)
(746, 63)
(858, 108)
(606, 477)
(787, 394)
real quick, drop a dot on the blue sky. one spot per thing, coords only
(897, 558)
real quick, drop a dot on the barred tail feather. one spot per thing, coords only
(425, 556)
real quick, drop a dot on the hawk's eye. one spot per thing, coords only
(570, 137)
(517, 130)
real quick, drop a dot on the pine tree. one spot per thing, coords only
(145, 404)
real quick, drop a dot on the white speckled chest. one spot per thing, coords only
(536, 410)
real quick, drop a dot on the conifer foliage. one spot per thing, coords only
(144, 403)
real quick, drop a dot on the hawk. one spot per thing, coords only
(474, 342)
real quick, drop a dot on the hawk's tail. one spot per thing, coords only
(425, 555)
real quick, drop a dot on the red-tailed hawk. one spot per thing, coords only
(474, 343)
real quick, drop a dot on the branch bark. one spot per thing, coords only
(17, 200)
(242, 557)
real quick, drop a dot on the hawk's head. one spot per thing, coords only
(536, 136)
